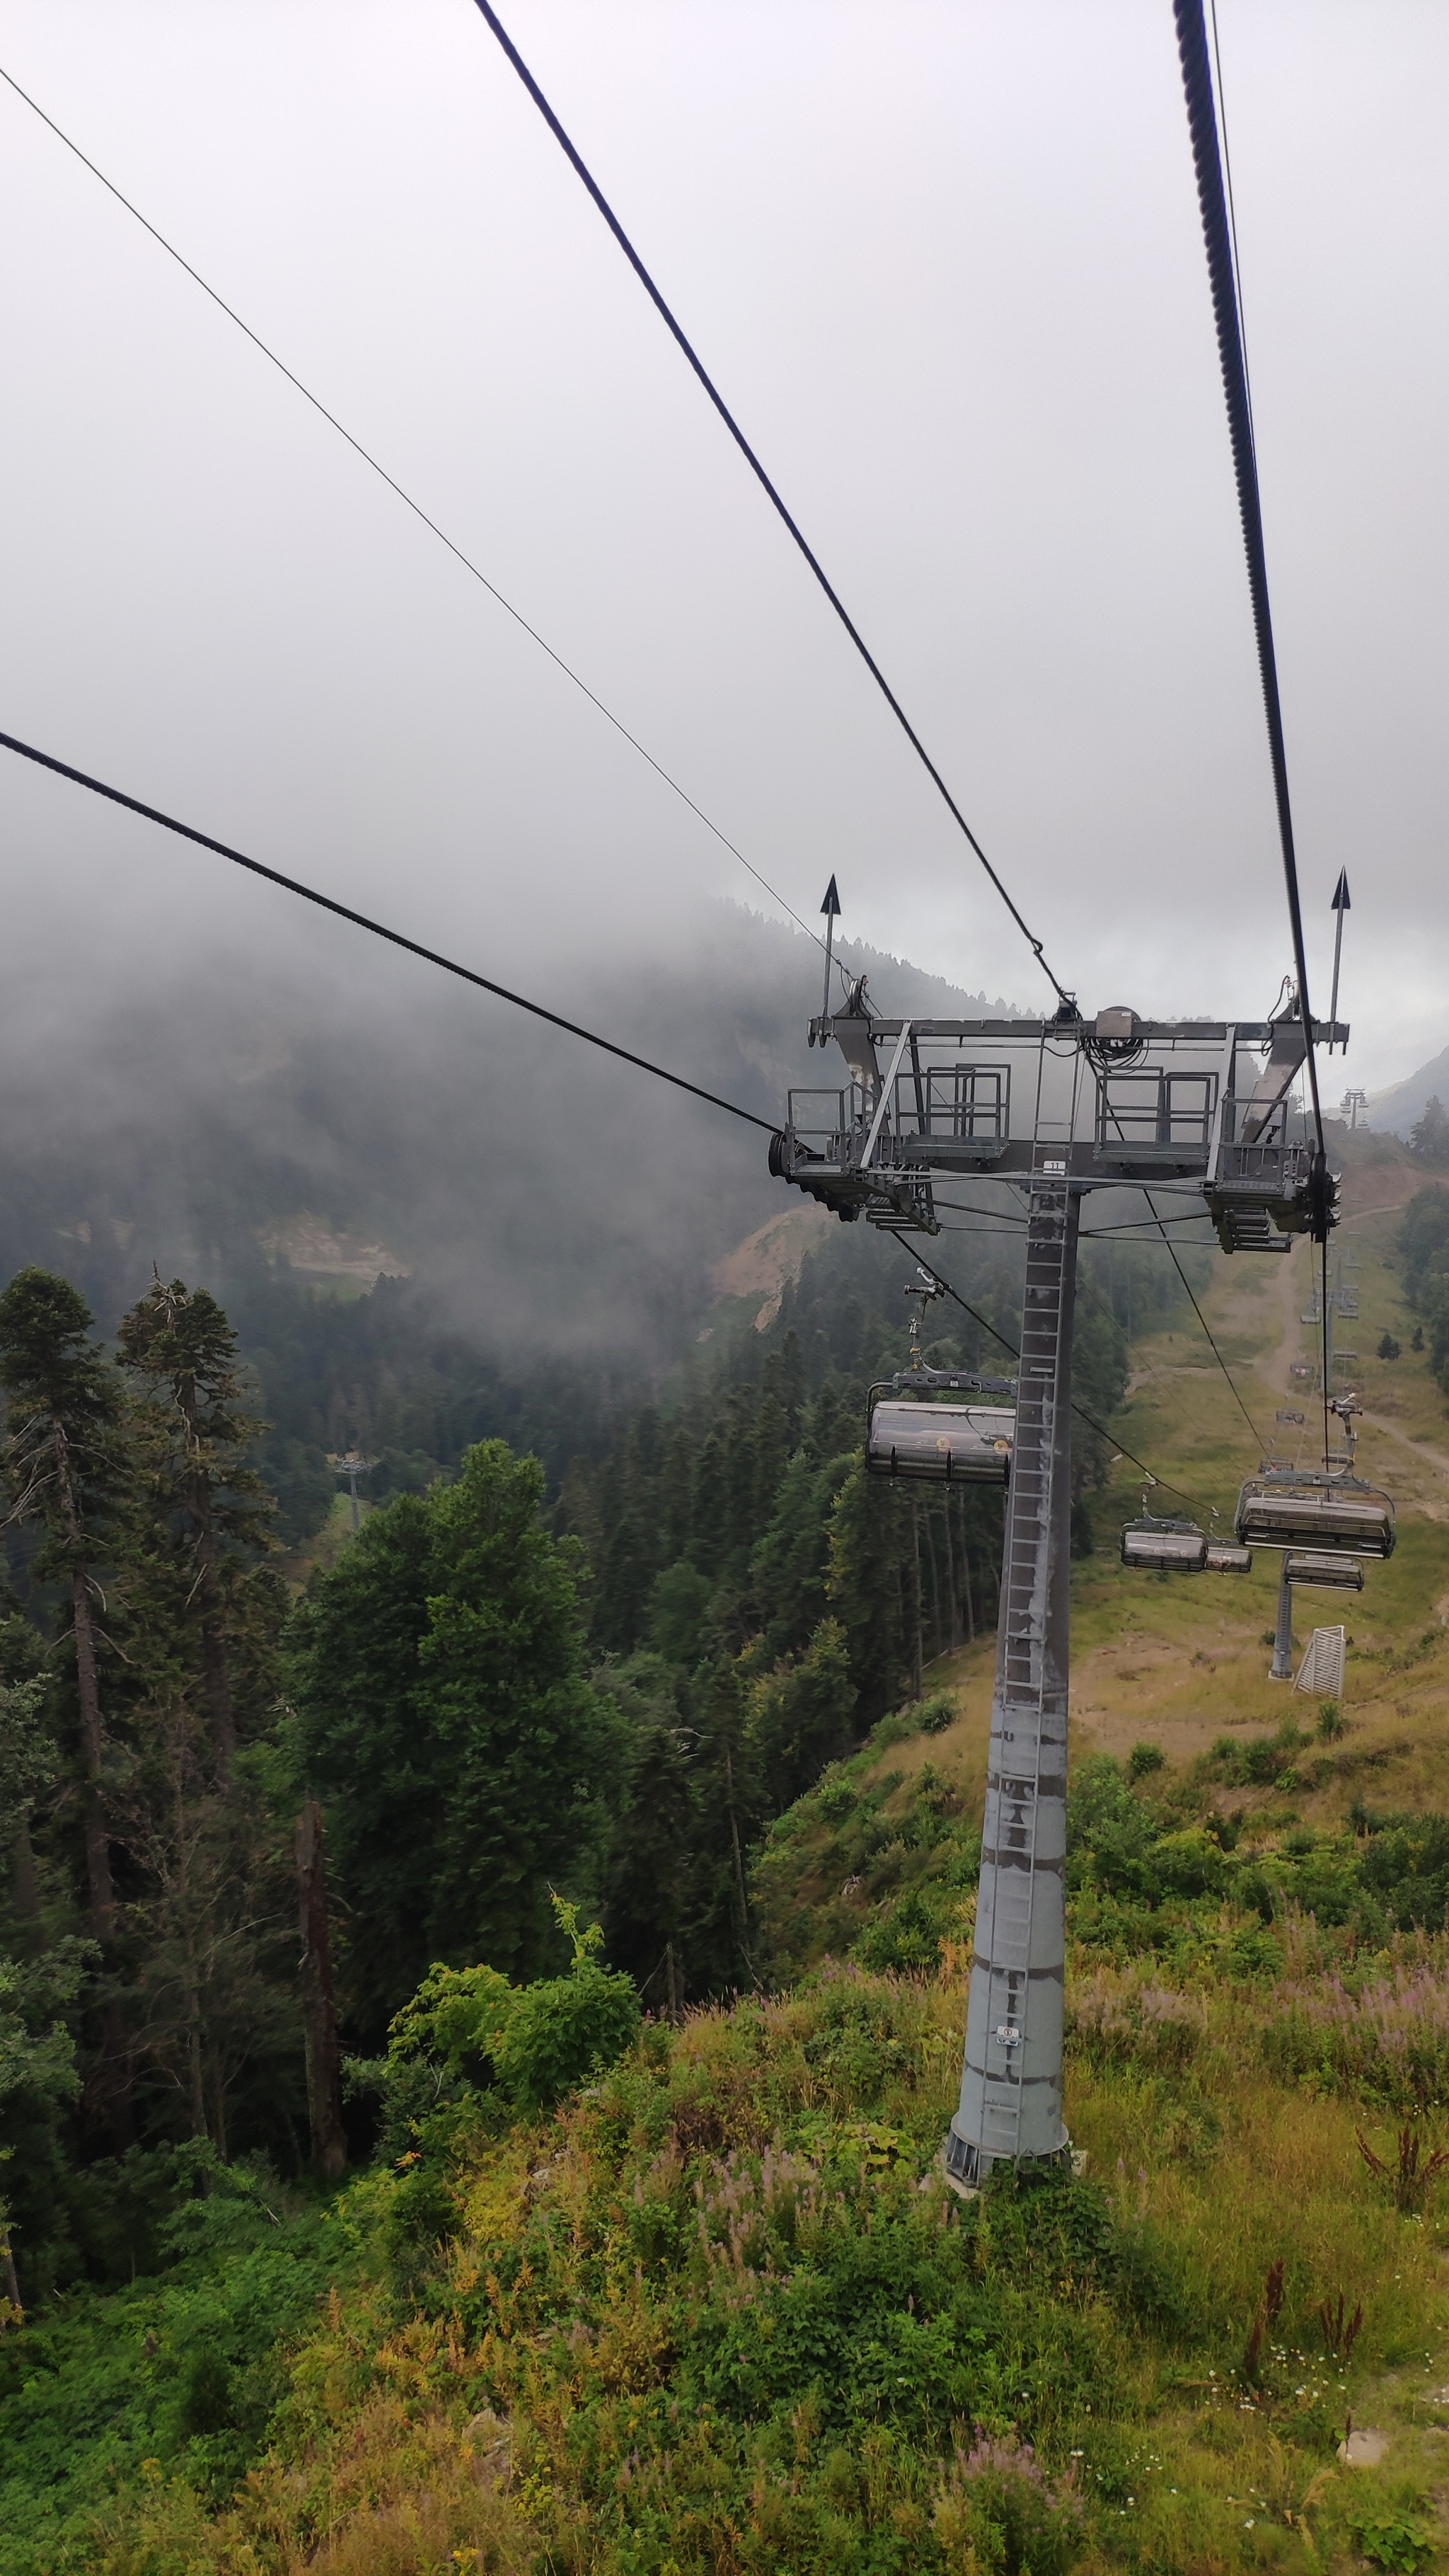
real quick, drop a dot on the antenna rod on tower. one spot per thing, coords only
(1340, 906)
(830, 907)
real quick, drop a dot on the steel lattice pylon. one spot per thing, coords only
(1011, 2085)
(1052, 1109)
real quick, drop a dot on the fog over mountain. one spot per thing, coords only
(1395, 1110)
(945, 261)
(328, 1109)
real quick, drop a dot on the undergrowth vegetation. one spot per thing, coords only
(717, 2310)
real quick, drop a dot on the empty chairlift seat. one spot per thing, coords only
(1322, 1513)
(1164, 1547)
(959, 1444)
(1323, 1572)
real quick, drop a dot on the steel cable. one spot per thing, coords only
(1202, 117)
(1079, 1410)
(757, 469)
(377, 929)
(418, 512)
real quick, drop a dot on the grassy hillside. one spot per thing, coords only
(718, 2311)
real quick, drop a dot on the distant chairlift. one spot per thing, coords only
(1156, 1546)
(1295, 1510)
(1224, 1556)
(1322, 1571)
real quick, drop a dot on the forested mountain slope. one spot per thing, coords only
(620, 2294)
(545, 1222)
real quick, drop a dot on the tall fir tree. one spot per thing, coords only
(68, 1472)
(215, 1513)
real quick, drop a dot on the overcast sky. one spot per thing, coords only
(944, 261)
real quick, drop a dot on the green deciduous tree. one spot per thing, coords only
(444, 1720)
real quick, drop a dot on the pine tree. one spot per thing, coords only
(1429, 1135)
(216, 1514)
(67, 1469)
(445, 1724)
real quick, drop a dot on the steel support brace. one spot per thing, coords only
(1011, 2089)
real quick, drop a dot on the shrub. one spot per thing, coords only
(998, 2509)
(1392, 2539)
(1386, 2038)
(1126, 2015)
(467, 2029)
(1143, 1759)
(562, 2029)
(907, 1935)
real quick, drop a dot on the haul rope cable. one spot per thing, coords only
(726, 415)
(1220, 245)
(757, 469)
(484, 983)
(417, 510)
(378, 929)
(1079, 1410)
(398, 939)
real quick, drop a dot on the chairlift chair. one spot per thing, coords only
(953, 1444)
(1323, 1572)
(1223, 1557)
(1302, 1511)
(1156, 1546)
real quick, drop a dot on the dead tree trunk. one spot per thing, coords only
(319, 2006)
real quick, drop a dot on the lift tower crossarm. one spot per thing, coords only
(1252, 1033)
(1156, 1103)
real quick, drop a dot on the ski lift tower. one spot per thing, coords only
(352, 1465)
(1195, 1109)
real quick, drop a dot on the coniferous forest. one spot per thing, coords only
(479, 1993)
(602, 1685)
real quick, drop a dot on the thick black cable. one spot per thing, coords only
(1202, 117)
(416, 508)
(378, 929)
(582, 171)
(1079, 1410)
(1222, 97)
(1324, 1320)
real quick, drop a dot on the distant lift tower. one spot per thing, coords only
(1055, 1108)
